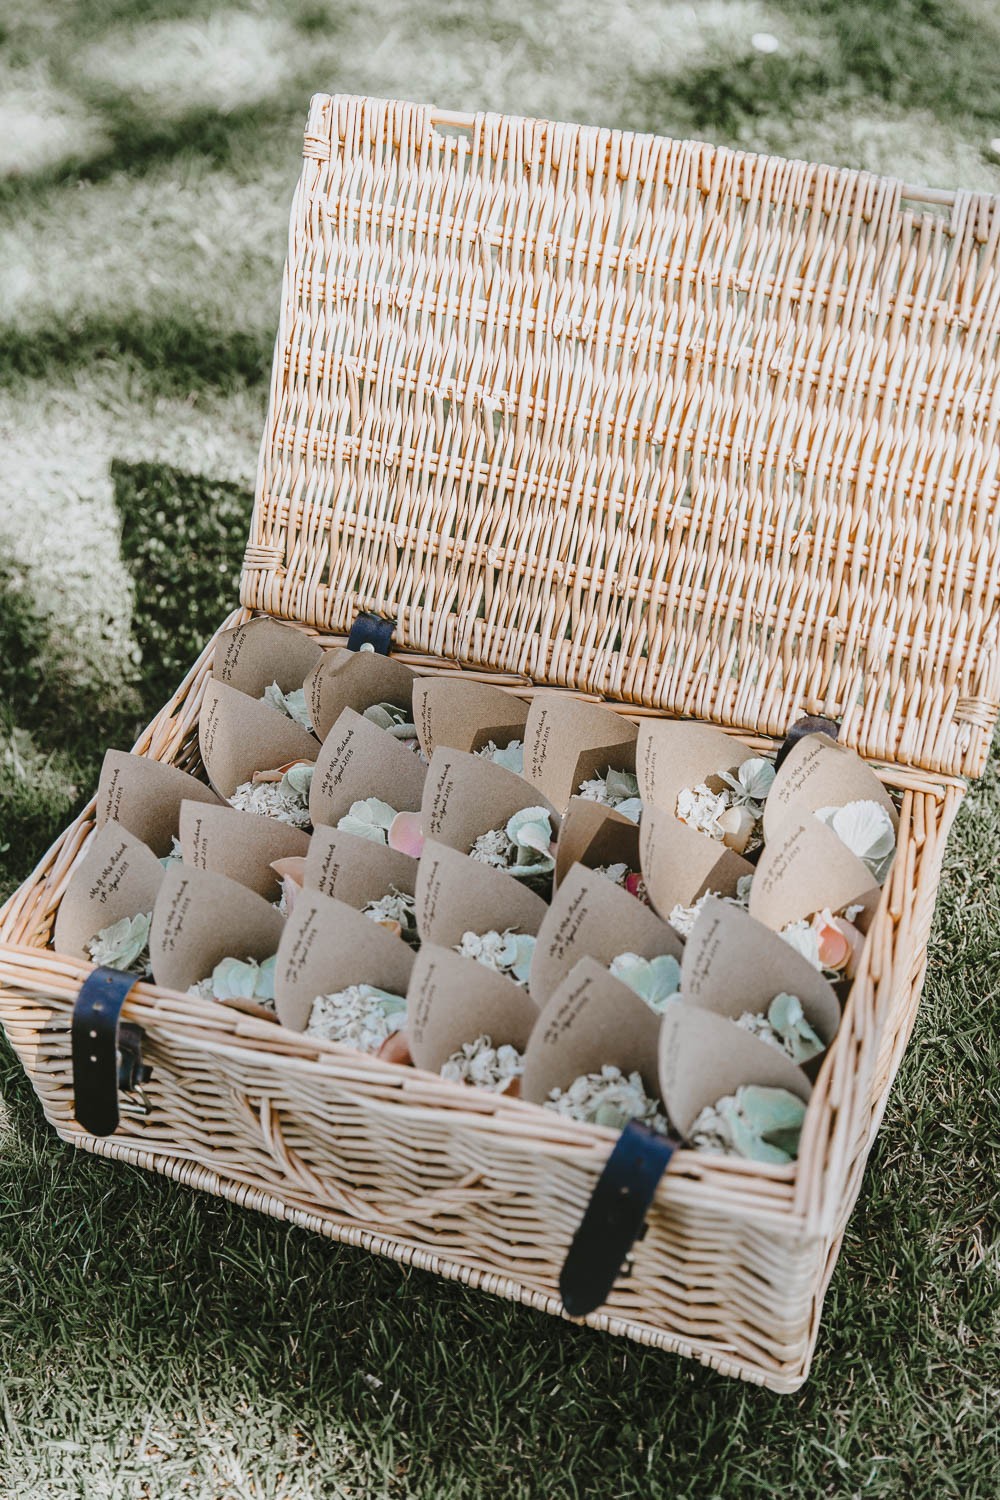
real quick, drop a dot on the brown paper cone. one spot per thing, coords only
(356, 870)
(201, 918)
(733, 964)
(465, 715)
(239, 735)
(239, 845)
(592, 835)
(465, 797)
(679, 864)
(820, 773)
(453, 1000)
(145, 797)
(672, 755)
(590, 917)
(326, 947)
(568, 741)
(252, 656)
(355, 680)
(456, 894)
(117, 877)
(704, 1057)
(591, 1021)
(359, 760)
(806, 869)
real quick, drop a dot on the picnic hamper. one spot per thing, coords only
(693, 431)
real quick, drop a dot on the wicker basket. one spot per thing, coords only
(699, 432)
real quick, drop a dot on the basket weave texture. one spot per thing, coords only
(706, 433)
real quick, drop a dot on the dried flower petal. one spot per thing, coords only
(282, 793)
(406, 835)
(124, 945)
(484, 1066)
(239, 979)
(292, 705)
(393, 719)
(757, 1123)
(176, 855)
(866, 829)
(785, 1027)
(655, 980)
(608, 1098)
(508, 953)
(511, 756)
(369, 818)
(683, 918)
(397, 912)
(360, 1016)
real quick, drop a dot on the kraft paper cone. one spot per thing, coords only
(704, 1057)
(568, 741)
(252, 656)
(679, 864)
(592, 835)
(806, 869)
(356, 680)
(465, 715)
(465, 797)
(117, 877)
(454, 1000)
(326, 947)
(359, 760)
(239, 735)
(591, 1021)
(356, 870)
(456, 894)
(238, 844)
(145, 796)
(672, 755)
(733, 963)
(591, 917)
(201, 918)
(820, 773)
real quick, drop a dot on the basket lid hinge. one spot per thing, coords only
(371, 632)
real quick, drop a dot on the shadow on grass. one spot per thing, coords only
(183, 537)
(182, 540)
(914, 54)
(177, 356)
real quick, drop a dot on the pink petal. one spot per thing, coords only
(406, 835)
(292, 868)
(396, 1049)
(277, 772)
(834, 949)
(855, 942)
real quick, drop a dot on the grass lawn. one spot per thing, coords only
(156, 1343)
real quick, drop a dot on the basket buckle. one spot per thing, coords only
(614, 1218)
(107, 1054)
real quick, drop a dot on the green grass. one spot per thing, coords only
(158, 1343)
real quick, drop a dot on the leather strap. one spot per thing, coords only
(808, 724)
(107, 1055)
(614, 1219)
(371, 630)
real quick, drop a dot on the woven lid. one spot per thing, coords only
(700, 430)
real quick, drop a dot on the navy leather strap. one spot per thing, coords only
(371, 630)
(107, 1055)
(808, 724)
(615, 1218)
